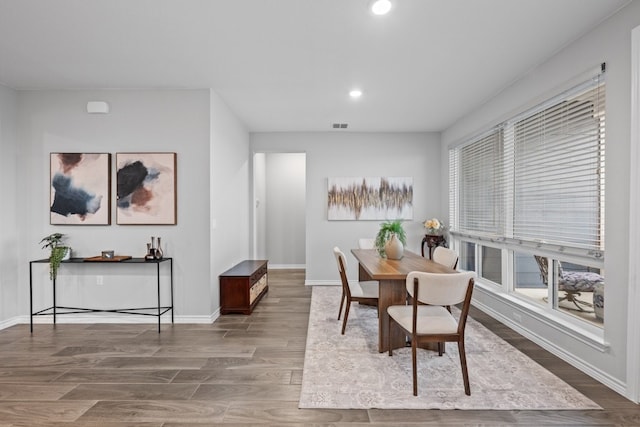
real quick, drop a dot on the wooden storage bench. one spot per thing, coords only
(242, 286)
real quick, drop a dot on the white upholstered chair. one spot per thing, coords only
(366, 243)
(433, 322)
(362, 292)
(445, 256)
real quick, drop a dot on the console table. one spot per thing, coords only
(242, 286)
(55, 309)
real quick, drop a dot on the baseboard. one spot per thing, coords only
(606, 379)
(287, 266)
(322, 283)
(109, 318)
(10, 322)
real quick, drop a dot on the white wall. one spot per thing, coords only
(285, 207)
(610, 43)
(259, 228)
(230, 194)
(139, 121)
(9, 239)
(336, 154)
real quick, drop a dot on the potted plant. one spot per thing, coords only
(59, 252)
(390, 230)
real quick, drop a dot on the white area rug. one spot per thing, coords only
(347, 372)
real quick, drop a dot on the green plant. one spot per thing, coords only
(384, 234)
(55, 243)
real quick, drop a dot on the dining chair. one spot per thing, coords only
(427, 320)
(366, 243)
(365, 292)
(445, 256)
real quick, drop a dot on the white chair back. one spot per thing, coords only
(340, 256)
(439, 288)
(445, 256)
(366, 243)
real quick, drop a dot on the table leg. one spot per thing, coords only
(171, 281)
(158, 277)
(392, 292)
(54, 301)
(31, 296)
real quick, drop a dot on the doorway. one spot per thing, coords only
(279, 209)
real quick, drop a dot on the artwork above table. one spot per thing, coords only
(370, 198)
(80, 188)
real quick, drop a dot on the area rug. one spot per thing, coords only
(347, 372)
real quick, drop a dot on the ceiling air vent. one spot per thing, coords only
(340, 125)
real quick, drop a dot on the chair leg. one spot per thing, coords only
(440, 348)
(346, 315)
(463, 363)
(414, 361)
(341, 304)
(389, 334)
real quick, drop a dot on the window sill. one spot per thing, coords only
(577, 329)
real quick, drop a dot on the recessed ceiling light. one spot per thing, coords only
(356, 93)
(381, 7)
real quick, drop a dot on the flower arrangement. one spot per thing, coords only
(433, 226)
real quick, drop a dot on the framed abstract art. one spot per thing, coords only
(370, 198)
(146, 188)
(80, 189)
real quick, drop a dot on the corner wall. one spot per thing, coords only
(9, 239)
(139, 121)
(610, 42)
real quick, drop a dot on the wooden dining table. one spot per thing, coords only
(392, 275)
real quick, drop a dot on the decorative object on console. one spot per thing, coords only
(114, 258)
(107, 254)
(435, 235)
(369, 198)
(80, 188)
(393, 234)
(434, 226)
(59, 252)
(146, 188)
(154, 252)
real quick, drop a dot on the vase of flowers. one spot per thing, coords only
(434, 226)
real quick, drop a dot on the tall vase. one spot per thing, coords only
(159, 253)
(393, 248)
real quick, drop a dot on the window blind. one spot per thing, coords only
(538, 177)
(479, 186)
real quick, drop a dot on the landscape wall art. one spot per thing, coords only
(80, 188)
(370, 198)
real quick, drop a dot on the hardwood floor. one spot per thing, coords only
(241, 370)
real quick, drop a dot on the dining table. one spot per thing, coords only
(392, 275)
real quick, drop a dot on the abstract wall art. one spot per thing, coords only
(370, 198)
(80, 189)
(146, 188)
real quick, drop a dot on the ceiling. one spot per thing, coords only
(288, 65)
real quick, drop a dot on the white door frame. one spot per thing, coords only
(633, 314)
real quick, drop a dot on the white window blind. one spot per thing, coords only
(479, 186)
(538, 177)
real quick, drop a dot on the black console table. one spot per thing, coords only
(55, 310)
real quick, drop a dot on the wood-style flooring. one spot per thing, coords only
(240, 370)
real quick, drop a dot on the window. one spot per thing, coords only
(534, 183)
